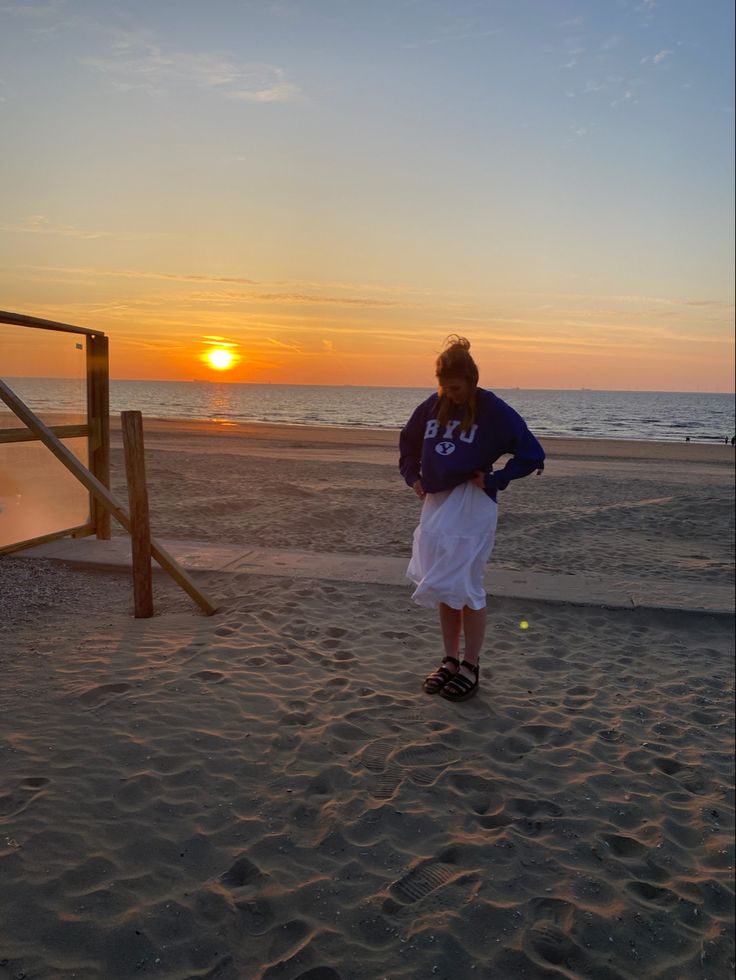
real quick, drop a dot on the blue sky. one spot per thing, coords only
(314, 180)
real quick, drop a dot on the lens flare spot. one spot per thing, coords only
(523, 625)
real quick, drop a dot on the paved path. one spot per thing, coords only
(584, 590)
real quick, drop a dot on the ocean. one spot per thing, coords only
(662, 416)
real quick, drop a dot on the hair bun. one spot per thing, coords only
(455, 342)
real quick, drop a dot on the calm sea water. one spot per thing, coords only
(661, 416)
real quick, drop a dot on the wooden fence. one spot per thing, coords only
(96, 429)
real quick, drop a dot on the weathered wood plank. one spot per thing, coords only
(60, 431)
(140, 529)
(22, 320)
(98, 413)
(76, 532)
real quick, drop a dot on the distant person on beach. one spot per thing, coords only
(448, 448)
(733, 440)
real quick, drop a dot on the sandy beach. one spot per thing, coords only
(267, 793)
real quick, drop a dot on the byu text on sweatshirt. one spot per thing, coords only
(443, 457)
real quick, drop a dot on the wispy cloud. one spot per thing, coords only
(136, 61)
(275, 87)
(132, 59)
(400, 290)
(232, 298)
(219, 341)
(328, 346)
(281, 344)
(307, 298)
(39, 224)
(137, 274)
(658, 58)
(462, 34)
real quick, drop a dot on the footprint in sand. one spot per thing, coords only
(554, 910)
(638, 761)
(386, 775)
(24, 794)
(349, 733)
(426, 754)
(466, 782)
(579, 697)
(256, 916)
(384, 784)
(545, 941)
(704, 718)
(694, 782)
(419, 882)
(415, 715)
(375, 755)
(535, 808)
(624, 847)
(296, 718)
(213, 676)
(651, 895)
(426, 777)
(333, 690)
(610, 735)
(241, 873)
(495, 821)
(101, 694)
(35, 782)
(427, 761)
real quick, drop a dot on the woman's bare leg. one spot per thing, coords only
(474, 628)
(451, 622)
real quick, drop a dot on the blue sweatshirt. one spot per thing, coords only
(443, 457)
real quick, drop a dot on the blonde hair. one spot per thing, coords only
(455, 361)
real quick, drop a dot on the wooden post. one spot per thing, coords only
(108, 499)
(140, 528)
(98, 414)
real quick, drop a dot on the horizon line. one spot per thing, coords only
(303, 384)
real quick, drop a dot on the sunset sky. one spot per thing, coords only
(327, 188)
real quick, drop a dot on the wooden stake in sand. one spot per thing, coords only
(98, 413)
(101, 492)
(140, 528)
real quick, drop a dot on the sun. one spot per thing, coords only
(220, 359)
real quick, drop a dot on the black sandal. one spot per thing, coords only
(434, 682)
(464, 689)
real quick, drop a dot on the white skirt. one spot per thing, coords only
(452, 544)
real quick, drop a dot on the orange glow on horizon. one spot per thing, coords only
(528, 348)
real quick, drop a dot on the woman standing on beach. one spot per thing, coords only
(448, 448)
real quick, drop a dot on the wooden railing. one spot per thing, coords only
(96, 429)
